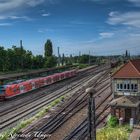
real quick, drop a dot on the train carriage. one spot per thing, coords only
(62, 76)
(56, 77)
(68, 74)
(27, 86)
(33, 84)
(41, 82)
(19, 87)
(37, 83)
(49, 80)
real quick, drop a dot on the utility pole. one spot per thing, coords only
(21, 44)
(89, 58)
(58, 57)
(21, 47)
(91, 115)
(79, 53)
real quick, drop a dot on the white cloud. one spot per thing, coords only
(5, 24)
(14, 17)
(135, 35)
(45, 30)
(10, 9)
(106, 34)
(113, 13)
(46, 14)
(135, 2)
(128, 18)
(33, 3)
(8, 5)
(78, 22)
(113, 45)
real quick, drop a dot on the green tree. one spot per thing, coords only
(27, 60)
(11, 59)
(63, 59)
(3, 59)
(51, 62)
(84, 59)
(48, 49)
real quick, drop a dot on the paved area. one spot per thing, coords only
(135, 135)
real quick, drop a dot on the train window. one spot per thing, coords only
(58, 77)
(62, 76)
(49, 80)
(33, 84)
(15, 89)
(21, 87)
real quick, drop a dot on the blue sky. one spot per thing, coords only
(100, 26)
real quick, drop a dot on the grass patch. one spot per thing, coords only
(81, 66)
(11, 132)
(114, 133)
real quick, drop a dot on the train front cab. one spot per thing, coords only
(2, 93)
(12, 90)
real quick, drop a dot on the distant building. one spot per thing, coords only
(126, 91)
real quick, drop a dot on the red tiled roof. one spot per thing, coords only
(136, 64)
(129, 70)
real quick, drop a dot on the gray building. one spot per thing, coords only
(126, 91)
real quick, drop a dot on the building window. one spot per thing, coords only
(121, 86)
(132, 87)
(118, 86)
(135, 87)
(127, 87)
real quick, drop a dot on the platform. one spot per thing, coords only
(135, 135)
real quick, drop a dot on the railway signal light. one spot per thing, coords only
(91, 115)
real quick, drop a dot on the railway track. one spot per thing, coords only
(13, 116)
(102, 111)
(78, 102)
(35, 95)
(5, 112)
(39, 93)
(81, 132)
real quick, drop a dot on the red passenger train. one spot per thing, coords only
(14, 89)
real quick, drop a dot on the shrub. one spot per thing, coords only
(112, 121)
(81, 66)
